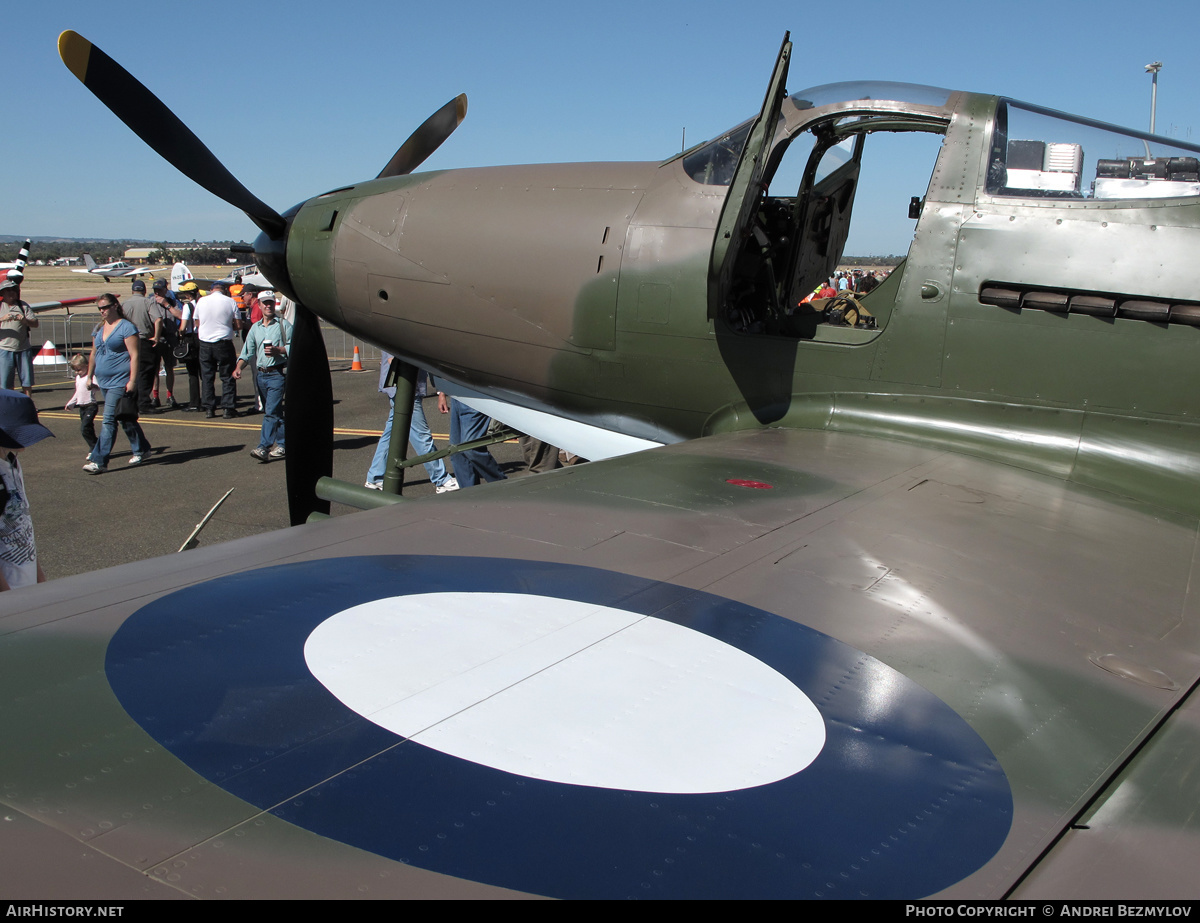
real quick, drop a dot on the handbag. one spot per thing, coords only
(127, 410)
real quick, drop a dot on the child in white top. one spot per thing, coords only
(86, 398)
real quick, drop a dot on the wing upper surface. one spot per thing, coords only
(1055, 621)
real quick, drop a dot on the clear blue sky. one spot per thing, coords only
(296, 99)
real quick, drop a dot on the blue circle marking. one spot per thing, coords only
(903, 800)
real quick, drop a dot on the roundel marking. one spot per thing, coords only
(567, 691)
(903, 799)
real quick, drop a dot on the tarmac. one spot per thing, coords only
(86, 522)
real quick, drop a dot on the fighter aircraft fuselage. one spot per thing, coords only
(1051, 327)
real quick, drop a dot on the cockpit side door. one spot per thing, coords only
(741, 204)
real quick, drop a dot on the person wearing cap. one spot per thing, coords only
(162, 288)
(19, 429)
(217, 319)
(267, 344)
(253, 310)
(250, 295)
(189, 343)
(165, 342)
(146, 315)
(16, 353)
(168, 336)
(236, 290)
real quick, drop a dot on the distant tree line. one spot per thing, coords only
(192, 254)
(891, 260)
(106, 251)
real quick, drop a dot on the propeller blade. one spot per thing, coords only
(17, 273)
(427, 138)
(308, 417)
(159, 127)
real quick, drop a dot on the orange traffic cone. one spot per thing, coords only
(356, 364)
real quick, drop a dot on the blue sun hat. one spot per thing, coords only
(19, 426)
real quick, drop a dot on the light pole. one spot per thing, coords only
(1152, 70)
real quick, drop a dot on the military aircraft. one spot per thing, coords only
(118, 269)
(896, 610)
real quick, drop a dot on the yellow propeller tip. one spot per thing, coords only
(75, 50)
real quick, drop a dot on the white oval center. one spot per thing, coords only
(567, 691)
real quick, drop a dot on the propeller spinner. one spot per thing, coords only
(309, 400)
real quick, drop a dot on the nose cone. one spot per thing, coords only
(270, 253)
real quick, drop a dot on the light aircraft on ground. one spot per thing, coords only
(116, 270)
(248, 272)
(898, 609)
(247, 275)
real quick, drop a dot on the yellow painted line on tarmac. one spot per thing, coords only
(158, 420)
(205, 423)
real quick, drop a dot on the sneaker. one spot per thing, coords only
(448, 485)
(278, 452)
(260, 453)
(93, 468)
(135, 460)
(374, 485)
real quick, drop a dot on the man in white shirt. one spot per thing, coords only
(216, 320)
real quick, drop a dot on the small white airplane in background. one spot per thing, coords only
(248, 275)
(118, 269)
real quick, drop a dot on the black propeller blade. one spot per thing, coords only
(427, 138)
(161, 129)
(308, 406)
(308, 417)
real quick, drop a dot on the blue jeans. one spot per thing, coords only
(108, 430)
(421, 439)
(14, 361)
(272, 386)
(470, 467)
